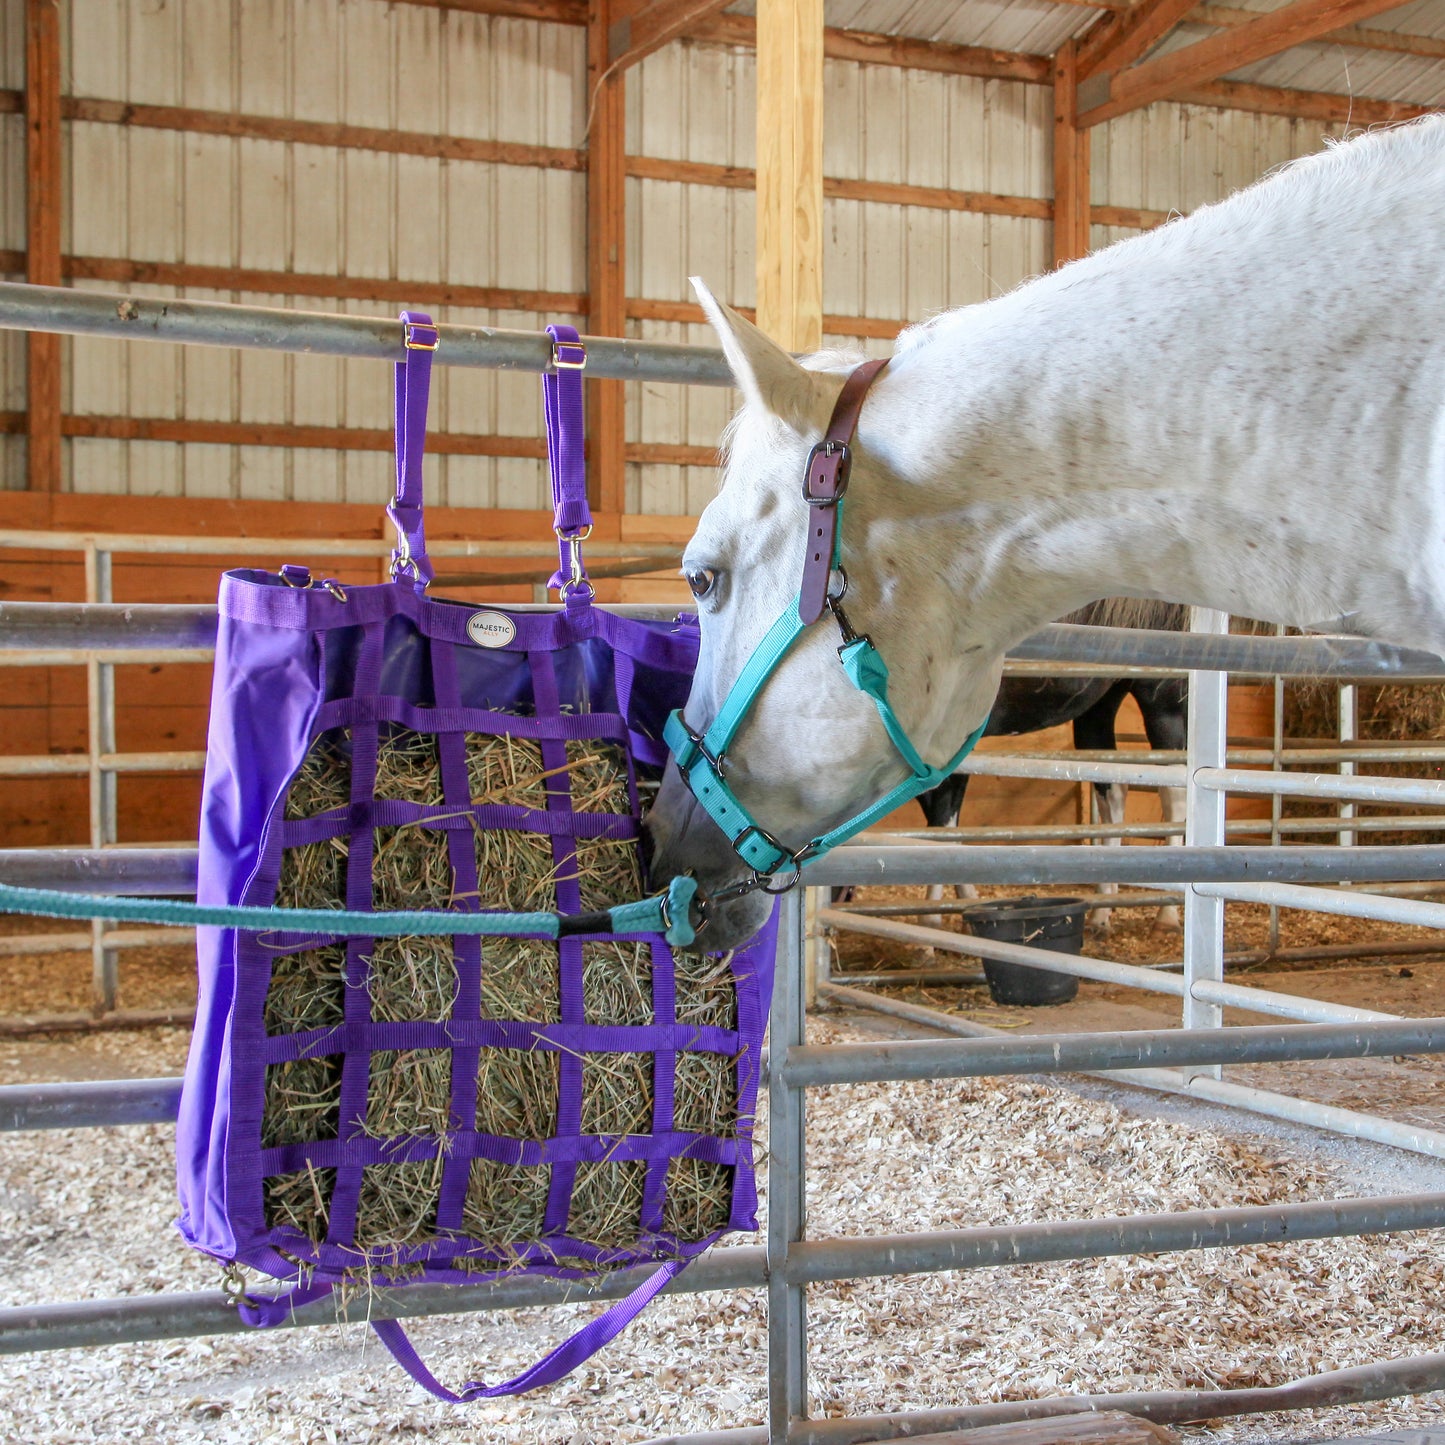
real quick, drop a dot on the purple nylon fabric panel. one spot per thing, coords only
(263, 700)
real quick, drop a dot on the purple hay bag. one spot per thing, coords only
(294, 661)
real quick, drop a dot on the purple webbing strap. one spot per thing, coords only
(548, 1370)
(413, 388)
(264, 1312)
(566, 454)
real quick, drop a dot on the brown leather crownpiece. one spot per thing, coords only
(824, 483)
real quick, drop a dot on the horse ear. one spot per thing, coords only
(765, 373)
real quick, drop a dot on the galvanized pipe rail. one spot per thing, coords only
(113, 1102)
(144, 871)
(121, 627)
(322, 333)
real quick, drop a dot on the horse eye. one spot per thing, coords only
(701, 582)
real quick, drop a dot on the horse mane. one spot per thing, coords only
(1132, 612)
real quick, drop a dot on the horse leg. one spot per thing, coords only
(1111, 799)
(1094, 729)
(1164, 706)
(941, 807)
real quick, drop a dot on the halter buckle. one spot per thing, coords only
(719, 761)
(825, 478)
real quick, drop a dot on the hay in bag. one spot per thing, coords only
(568, 1097)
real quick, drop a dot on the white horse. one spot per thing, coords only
(1244, 409)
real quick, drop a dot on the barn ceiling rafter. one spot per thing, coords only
(1107, 95)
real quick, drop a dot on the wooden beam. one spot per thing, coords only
(1130, 35)
(606, 256)
(1226, 17)
(685, 311)
(304, 283)
(322, 133)
(42, 228)
(1108, 95)
(557, 12)
(647, 27)
(889, 193)
(790, 172)
(1071, 162)
(868, 48)
(338, 438)
(1302, 104)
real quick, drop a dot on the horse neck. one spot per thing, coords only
(1133, 425)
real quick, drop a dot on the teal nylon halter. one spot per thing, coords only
(701, 758)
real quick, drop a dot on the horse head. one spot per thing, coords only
(812, 750)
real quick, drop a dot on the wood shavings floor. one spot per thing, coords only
(87, 1214)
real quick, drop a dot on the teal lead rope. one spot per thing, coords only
(669, 913)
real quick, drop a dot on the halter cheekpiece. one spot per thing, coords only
(702, 757)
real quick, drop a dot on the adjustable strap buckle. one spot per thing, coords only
(825, 478)
(765, 864)
(692, 746)
(575, 362)
(420, 336)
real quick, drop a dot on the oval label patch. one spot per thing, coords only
(491, 629)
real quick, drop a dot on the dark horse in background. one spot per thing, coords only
(1031, 704)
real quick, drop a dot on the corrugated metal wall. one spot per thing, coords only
(160, 195)
(149, 194)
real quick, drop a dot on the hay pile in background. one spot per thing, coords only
(1388, 712)
(410, 1092)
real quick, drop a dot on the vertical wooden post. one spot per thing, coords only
(606, 256)
(790, 172)
(1071, 161)
(42, 210)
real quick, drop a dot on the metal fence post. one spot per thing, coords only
(787, 1302)
(1349, 731)
(101, 741)
(1204, 825)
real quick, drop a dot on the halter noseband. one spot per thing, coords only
(702, 757)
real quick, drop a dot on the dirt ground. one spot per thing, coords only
(87, 1214)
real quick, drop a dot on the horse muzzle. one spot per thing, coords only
(684, 839)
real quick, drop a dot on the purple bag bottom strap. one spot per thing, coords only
(266, 1312)
(548, 1370)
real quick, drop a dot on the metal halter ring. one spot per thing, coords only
(790, 882)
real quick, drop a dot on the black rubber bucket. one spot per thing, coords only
(1038, 922)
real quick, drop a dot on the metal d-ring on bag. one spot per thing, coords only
(297, 664)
